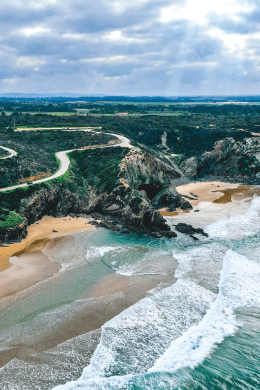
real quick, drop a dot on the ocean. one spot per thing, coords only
(201, 332)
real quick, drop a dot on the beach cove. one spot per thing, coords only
(64, 285)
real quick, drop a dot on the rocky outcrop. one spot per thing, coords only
(132, 206)
(147, 186)
(150, 175)
(133, 210)
(51, 201)
(172, 199)
(189, 229)
(14, 232)
(141, 168)
(229, 160)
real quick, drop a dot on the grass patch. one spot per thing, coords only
(4, 153)
(98, 169)
(10, 218)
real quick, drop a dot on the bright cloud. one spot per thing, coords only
(30, 31)
(199, 9)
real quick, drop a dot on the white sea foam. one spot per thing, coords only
(105, 249)
(132, 341)
(239, 286)
(91, 254)
(181, 325)
(245, 224)
(202, 264)
(156, 263)
(95, 251)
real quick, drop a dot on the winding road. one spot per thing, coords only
(11, 151)
(63, 158)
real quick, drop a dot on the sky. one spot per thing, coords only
(130, 47)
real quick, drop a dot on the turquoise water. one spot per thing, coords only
(201, 333)
(86, 258)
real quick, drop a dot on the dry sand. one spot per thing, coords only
(213, 201)
(205, 191)
(46, 228)
(23, 264)
(114, 293)
(213, 192)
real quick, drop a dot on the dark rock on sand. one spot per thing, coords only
(188, 229)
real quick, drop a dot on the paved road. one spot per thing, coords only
(11, 151)
(65, 161)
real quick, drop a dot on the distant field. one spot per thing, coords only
(45, 113)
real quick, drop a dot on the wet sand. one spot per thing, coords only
(205, 191)
(114, 293)
(25, 271)
(106, 299)
(46, 228)
(237, 193)
(24, 264)
(211, 193)
(213, 201)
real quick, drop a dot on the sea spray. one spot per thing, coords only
(136, 338)
(202, 264)
(239, 286)
(245, 224)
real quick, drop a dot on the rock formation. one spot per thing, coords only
(229, 160)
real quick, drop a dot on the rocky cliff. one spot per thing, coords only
(229, 160)
(147, 183)
(13, 232)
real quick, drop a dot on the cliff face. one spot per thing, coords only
(52, 201)
(14, 232)
(147, 183)
(142, 168)
(229, 160)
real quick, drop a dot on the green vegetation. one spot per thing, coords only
(193, 131)
(97, 170)
(191, 128)
(9, 218)
(3, 153)
(36, 152)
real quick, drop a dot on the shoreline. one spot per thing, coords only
(215, 193)
(111, 294)
(46, 228)
(23, 264)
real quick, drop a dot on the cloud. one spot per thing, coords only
(140, 47)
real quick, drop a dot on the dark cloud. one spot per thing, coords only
(122, 47)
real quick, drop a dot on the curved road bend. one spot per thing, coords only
(65, 161)
(11, 151)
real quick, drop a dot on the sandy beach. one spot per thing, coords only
(211, 193)
(216, 192)
(204, 191)
(23, 264)
(46, 228)
(111, 294)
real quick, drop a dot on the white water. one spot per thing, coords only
(245, 224)
(239, 286)
(151, 324)
(181, 325)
